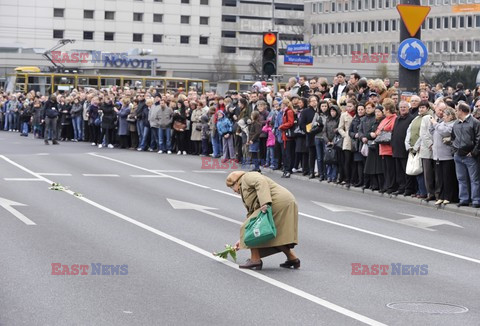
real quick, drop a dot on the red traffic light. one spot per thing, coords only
(269, 39)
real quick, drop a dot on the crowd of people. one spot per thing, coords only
(355, 132)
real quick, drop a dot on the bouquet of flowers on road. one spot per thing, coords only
(228, 250)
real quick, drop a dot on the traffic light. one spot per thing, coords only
(269, 54)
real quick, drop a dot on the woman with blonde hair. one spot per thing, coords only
(258, 194)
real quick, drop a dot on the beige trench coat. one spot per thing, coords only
(196, 121)
(343, 127)
(257, 190)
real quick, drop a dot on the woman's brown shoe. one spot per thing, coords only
(295, 263)
(252, 265)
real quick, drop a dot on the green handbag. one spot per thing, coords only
(260, 229)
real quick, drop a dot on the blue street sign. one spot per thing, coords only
(412, 54)
(299, 48)
(298, 60)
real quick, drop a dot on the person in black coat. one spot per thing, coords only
(108, 124)
(301, 151)
(373, 173)
(50, 118)
(358, 158)
(305, 119)
(406, 183)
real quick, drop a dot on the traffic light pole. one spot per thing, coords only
(409, 79)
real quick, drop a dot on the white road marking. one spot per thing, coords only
(100, 175)
(21, 179)
(147, 176)
(226, 193)
(43, 154)
(209, 255)
(150, 171)
(410, 243)
(56, 174)
(209, 171)
(7, 204)
(474, 260)
(177, 204)
(169, 171)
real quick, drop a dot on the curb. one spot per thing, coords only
(451, 207)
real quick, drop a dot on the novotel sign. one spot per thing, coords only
(117, 60)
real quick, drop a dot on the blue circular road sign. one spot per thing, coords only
(412, 53)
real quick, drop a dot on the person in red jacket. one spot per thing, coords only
(385, 151)
(288, 149)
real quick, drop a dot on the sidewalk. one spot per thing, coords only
(450, 207)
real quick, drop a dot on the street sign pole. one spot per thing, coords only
(409, 79)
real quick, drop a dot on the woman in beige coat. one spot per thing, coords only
(346, 156)
(258, 192)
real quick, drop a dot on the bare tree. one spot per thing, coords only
(224, 67)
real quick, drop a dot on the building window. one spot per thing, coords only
(387, 3)
(469, 21)
(445, 46)
(137, 37)
(229, 3)
(333, 6)
(184, 39)
(204, 40)
(229, 49)
(326, 28)
(339, 28)
(372, 26)
(109, 15)
(477, 46)
(394, 25)
(365, 27)
(430, 46)
(352, 27)
(454, 22)
(461, 22)
(437, 47)
(137, 16)
(157, 0)
(88, 14)
(430, 23)
(87, 35)
(345, 27)
(320, 30)
(204, 20)
(379, 25)
(345, 49)
(319, 50)
(477, 21)
(204, 2)
(314, 7)
(438, 23)
(453, 46)
(58, 33)
(359, 6)
(157, 38)
(158, 18)
(185, 19)
(469, 46)
(460, 46)
(359, 27)
(445, 22)
(229, 19)
(387, 26)
(332, 28)
(58, 12)
(229, 34)
(185, 1)
(346, 6)
(314, 29)
(109, 36)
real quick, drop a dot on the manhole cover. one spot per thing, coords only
(428, 307)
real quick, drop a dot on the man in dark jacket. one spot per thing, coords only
(307, 118)
(466, 143)
(459, 94)
(50, 119)
(304, 90)
(406, 183)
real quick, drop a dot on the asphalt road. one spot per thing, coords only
(163, 215)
